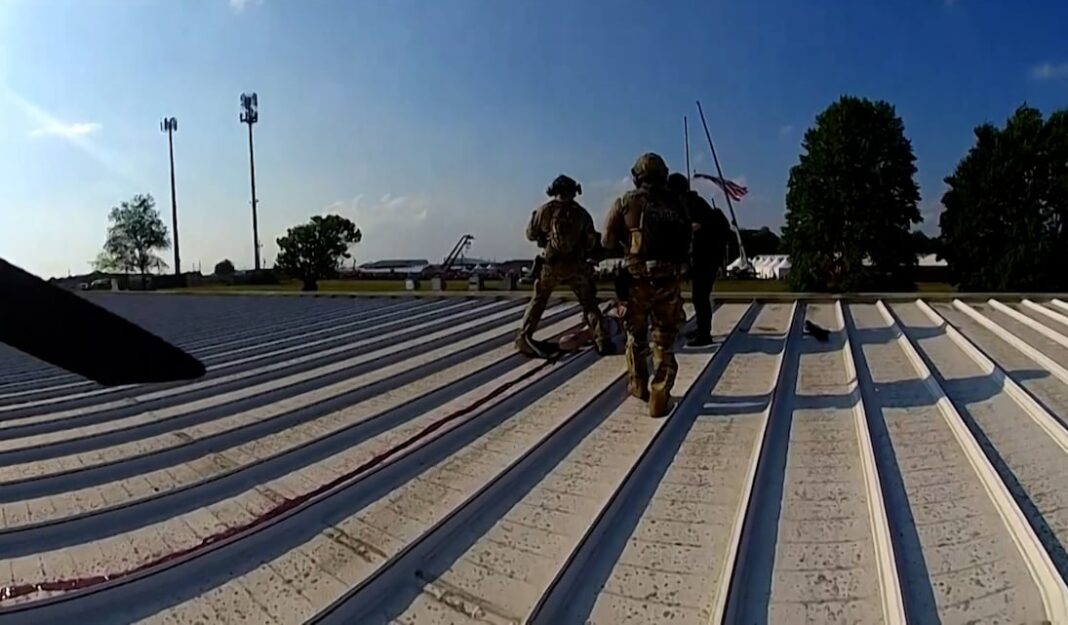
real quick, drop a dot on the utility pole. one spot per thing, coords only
(169, 125)
(250, 115)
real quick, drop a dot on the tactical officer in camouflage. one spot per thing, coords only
(565, 231)
(650, 228)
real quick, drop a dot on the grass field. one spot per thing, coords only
(371, 286)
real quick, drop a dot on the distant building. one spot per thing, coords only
(82, 282)
(518, 267)
(473, 264)
(403, 267)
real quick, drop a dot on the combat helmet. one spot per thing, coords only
(563, 184)
(650, 168)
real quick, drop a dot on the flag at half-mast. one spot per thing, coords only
(731, 188)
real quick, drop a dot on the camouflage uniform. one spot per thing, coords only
(571, 268)
(654, 260)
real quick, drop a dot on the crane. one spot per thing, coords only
(457, 251)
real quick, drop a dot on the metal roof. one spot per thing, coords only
(375, 460)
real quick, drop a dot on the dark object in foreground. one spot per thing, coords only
(699, 339)
(548, 350)
(67, 331)
(820, 334)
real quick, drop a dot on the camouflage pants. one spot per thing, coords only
(654, 316)
(581, 282)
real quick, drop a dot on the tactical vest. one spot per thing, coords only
(660, 243)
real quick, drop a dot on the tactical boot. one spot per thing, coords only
(639, 389)
(528, 347)
(700, 340)
(660, 404)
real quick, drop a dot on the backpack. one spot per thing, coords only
(664, 228)
(566, 236)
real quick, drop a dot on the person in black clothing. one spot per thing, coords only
(710, 232)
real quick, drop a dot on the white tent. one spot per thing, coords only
(930, 260)
(777, 266)
(767, 267)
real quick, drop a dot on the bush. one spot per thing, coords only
(224, 267)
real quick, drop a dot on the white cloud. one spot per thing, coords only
(393, 226)
(76, 134)
(616, 186)
(931, 208)
(390, 210)
(1047, 71)
(931, 212)
(785, 130)
(239, 6)
(67, 131)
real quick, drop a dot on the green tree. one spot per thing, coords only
(111, 264)
(924, 244)
(224, 267)
(135, 232)
(757, 243)
(851, 201)
(1005, 224)
(314, 250)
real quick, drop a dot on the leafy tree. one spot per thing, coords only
(224, 267)
(924, 244)
(851, 201)
(757, 243)
(314, 250)
(1005, 224)
(135, 232)
(110, 264)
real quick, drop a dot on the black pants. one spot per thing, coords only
(702, 302)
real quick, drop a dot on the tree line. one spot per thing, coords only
(852, 205)
(308, 252)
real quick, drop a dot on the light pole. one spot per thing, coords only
(250, 115)
(169, 125)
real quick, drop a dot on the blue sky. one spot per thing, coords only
(426, 119)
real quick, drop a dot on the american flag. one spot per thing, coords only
(731, 188)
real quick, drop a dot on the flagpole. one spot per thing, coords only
(719, 170)
(686, 139)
